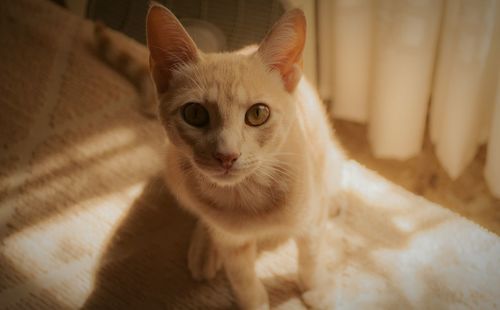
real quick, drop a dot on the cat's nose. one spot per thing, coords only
(226, 159)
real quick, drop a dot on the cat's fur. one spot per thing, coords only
(287, 176)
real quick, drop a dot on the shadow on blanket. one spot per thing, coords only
(145, 265)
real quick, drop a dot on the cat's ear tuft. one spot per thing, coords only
(282, 47)
(169, 45)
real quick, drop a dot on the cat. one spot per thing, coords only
(251, 152)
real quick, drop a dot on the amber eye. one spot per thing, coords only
(195, 114)
(257, 115)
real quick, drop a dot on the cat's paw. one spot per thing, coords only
(319, 298)
(203, 258)
(317, 292)
(263, 307)
(258, 300)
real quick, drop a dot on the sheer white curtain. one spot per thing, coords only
(393, 63)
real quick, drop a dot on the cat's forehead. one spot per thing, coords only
(230, 65)
(232, 91)
(226, 78)
(229, 70)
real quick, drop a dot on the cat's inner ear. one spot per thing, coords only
(282, 47)
(169, 45)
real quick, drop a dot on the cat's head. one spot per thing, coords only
(227, 112)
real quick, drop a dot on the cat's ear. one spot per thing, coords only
(282, 47)
(169, 45)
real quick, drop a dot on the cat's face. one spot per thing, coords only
(228, 113)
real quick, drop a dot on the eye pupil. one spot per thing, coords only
(195, 114)
(257, 115)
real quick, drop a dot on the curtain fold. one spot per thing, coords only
(463, 92)
(403, 58)
(352, 31)
(492, 167)
(382, 62)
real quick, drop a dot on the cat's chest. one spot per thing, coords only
(249, 197)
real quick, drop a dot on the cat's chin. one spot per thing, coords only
(229, 178)
(223, 178)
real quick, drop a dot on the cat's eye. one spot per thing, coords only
(195, 114)
(257, 115)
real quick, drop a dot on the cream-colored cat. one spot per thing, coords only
(251, 152)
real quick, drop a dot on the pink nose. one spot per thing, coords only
(226, 160)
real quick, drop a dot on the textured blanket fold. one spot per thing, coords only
(85, 220)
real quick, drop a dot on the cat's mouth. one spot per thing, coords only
(226, 177)
(220, 175)
(226, 174)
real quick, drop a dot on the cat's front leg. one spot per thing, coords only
(239, 262)
(313, 275)
(204, 259)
